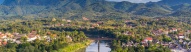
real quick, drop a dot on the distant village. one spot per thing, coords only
(180, 40)
(18, 38)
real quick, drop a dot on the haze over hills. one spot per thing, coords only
(94, 8)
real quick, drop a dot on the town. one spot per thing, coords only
(130, 33)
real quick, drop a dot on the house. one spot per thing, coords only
(160, 32)
(9, 35)
(126, 21)
(31, 37)
(15, 33)
(4, 43)
(165, 43)
(173, 30)
(166, 32)
(129, 44)
(100, 22)
(180, 35)
(17, 37)
(68, 20)
(157, 32)
(148, 39)
(181, 40)
(54, 35)
(49, 33)
(188, 31)
(123, 45)
(62, 24)
(69, 38)
(3, 36)
(48, 38)
(179, 29)
(172, 46)
(127, 33)
(84, 18)
(63, 19)
(18, 42)
(1, 33)
(33, 32)
(57, 24)
(45, 36)
(94, 25)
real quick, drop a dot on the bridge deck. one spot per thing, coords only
(102, 39)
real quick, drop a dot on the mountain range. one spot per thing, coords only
(93, 8)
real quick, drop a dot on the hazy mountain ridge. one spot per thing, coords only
(93, 8)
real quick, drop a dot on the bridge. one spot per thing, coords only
(102, 39)
(98, 39)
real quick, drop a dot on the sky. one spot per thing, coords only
(136, 1)
(1, 1)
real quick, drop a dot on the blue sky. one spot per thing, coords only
(1, 1)
(136, 1)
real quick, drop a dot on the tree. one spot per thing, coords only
(131, 49)
(140, 48)
(23, 39)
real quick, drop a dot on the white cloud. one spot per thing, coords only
(136, 1)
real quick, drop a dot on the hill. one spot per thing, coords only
(93, 8)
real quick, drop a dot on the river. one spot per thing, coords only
(93, 47)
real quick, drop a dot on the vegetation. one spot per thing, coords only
(125, 31)
(74, 9)
(66, 25)
(74, 47)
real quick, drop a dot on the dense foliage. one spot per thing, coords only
(74, 9)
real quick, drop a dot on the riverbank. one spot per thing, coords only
(75, 46)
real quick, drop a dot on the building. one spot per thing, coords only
(180, 35)
(84, 18)
(148, 39)
(173, 30)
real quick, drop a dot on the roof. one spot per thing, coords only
(149, 38)
(54, 35)
(2, 35)
(181, 34)
(0, 32)
(4, 43)
(49, 33)
(84, 18)
(31, 36)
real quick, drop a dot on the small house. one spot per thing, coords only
(148, 39)
(180, 35)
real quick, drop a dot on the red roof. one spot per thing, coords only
(4, 43)
(149, 38)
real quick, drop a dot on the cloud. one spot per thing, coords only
(136, 1)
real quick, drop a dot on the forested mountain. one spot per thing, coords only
(93, 8)
(173, 2)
